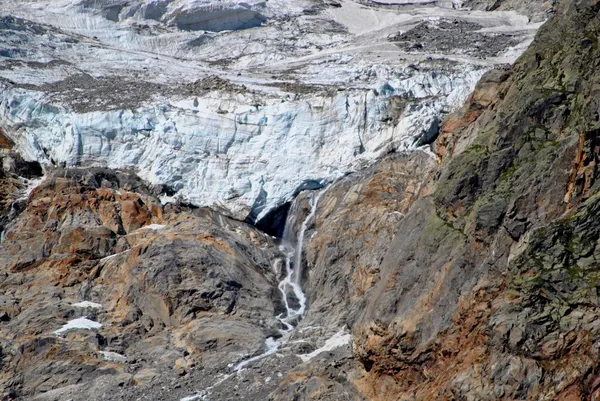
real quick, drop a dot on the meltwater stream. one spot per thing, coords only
(291, 284)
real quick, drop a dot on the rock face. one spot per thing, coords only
(164, 285)
(467, 270)
(538, 10)
(488, 288)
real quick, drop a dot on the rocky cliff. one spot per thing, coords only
(463, 270)
(488, 289)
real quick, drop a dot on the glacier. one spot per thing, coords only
(233, 105)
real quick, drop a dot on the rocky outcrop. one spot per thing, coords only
(538, 10)
(367, 209)
(163, 291)
(487, 290)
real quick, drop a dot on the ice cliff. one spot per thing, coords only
(233, 105)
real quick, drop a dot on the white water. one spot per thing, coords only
(272, 347)
(293, 254)
(23, 195)
(300, 242)
(292, 280)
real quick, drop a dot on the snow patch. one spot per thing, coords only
(80, 323)
(339, 339)
(360, 19)
(109, 257)
(153, 227)
(113, 356)
(87, 304)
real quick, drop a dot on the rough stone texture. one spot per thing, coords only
(184, 302)
(473, 278)
(16, 179)
(490, 294)
(173, 298)
(538, 10)
(367, 209)
(443, 35)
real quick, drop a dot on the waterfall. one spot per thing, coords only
(290, 287)
(300, 241)
(292, 247)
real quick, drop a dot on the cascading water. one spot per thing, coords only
(290, 287)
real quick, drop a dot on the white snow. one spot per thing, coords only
(109, 257)
(360, 19)
(87, 304)
(339, 339)
(79, 323)
(113, 356)
(229, 160)
(153, 227)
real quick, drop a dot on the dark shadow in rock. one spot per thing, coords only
(274, 222)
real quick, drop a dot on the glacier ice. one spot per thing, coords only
(304, 94)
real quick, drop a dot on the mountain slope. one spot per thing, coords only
(209, 113)
(489, 289)
(466, 273)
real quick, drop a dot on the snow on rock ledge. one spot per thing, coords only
(81, 323)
